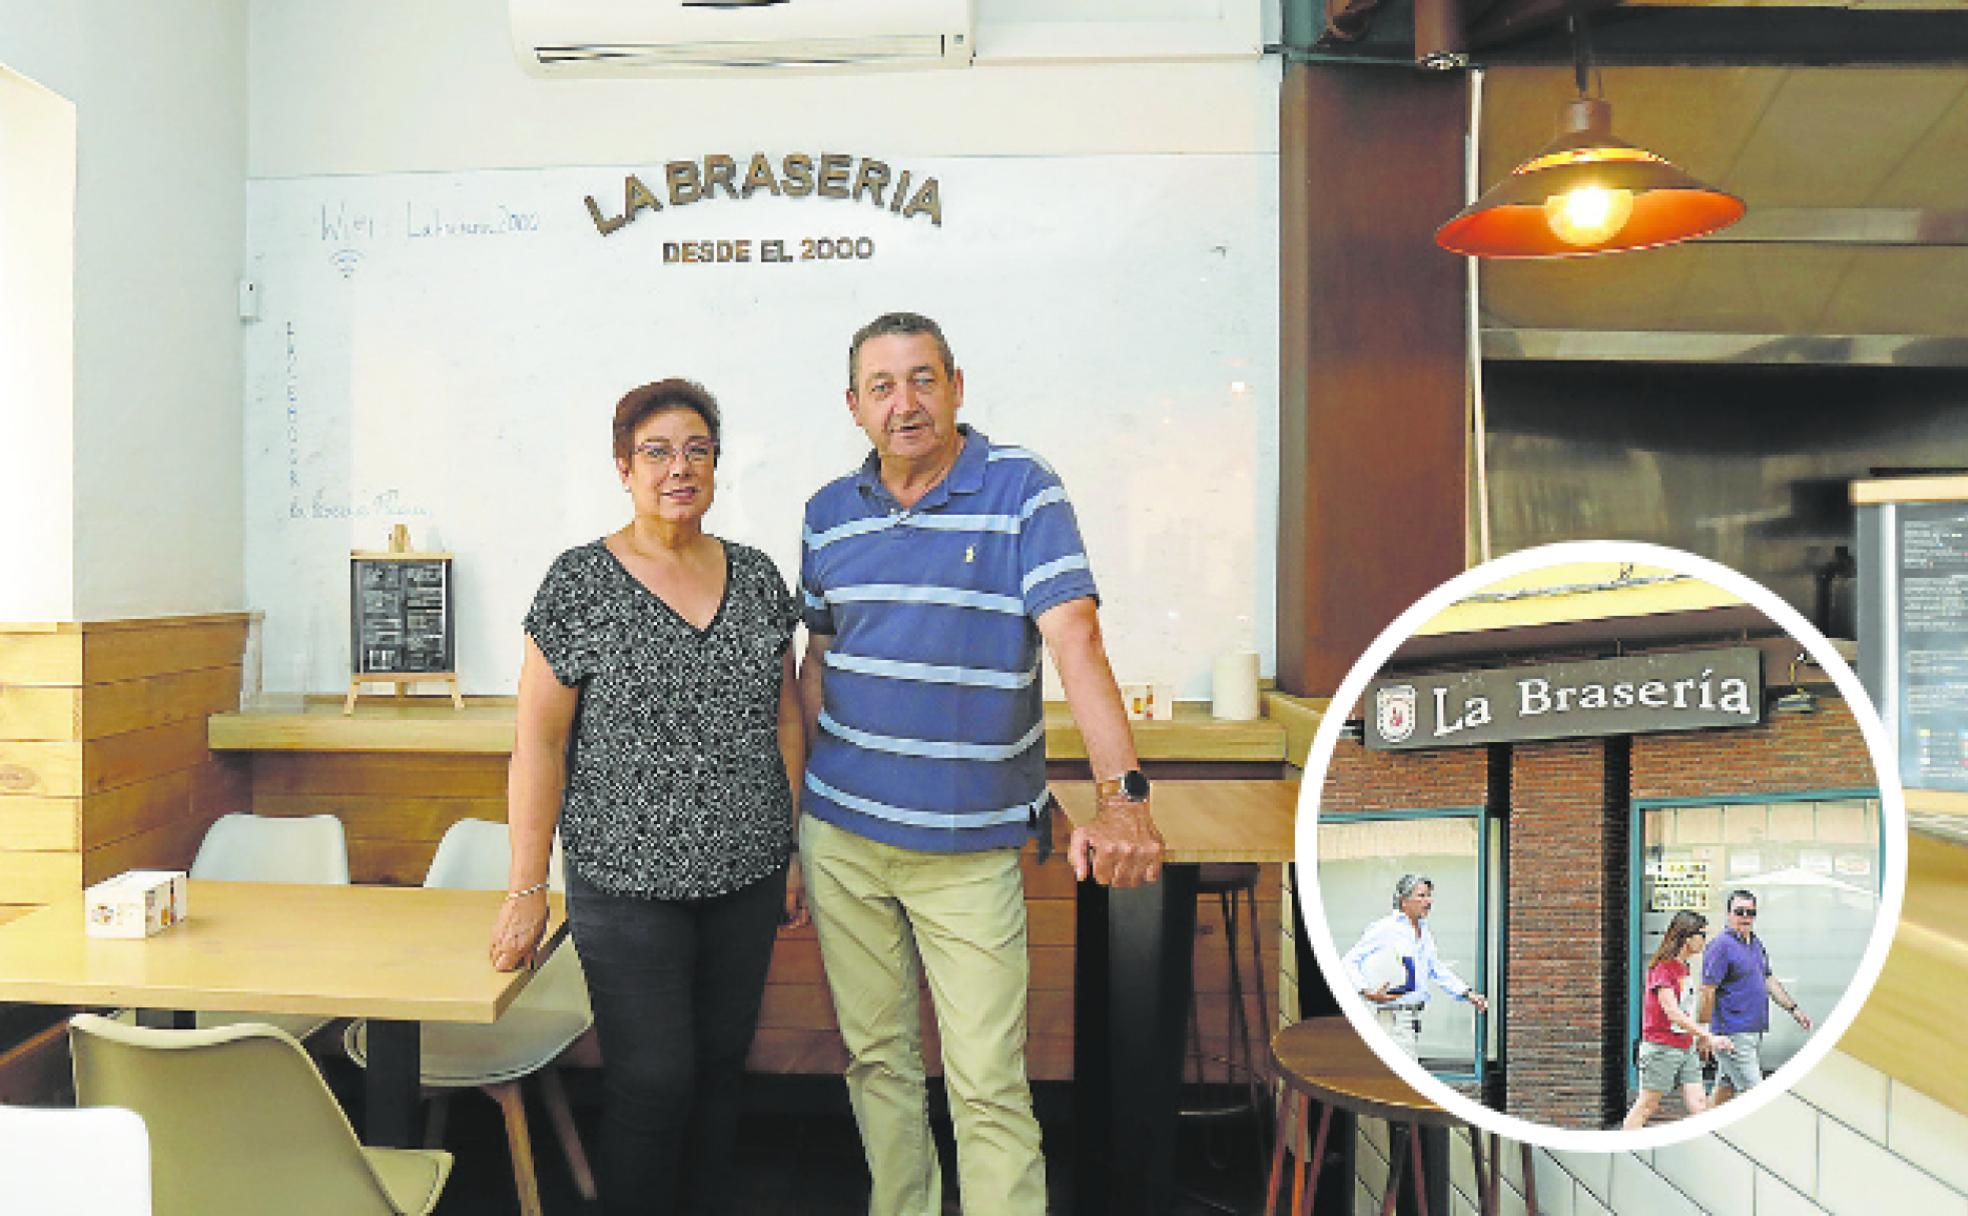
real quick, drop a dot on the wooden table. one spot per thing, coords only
(1325, 1059)
(398, 956)
(1132, 980)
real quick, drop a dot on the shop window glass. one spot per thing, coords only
(1359, 861)
(1814, 865)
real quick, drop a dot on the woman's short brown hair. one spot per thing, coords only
(639, 404)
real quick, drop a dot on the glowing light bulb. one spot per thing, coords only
(1588, 215)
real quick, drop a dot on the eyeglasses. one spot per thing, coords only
(697, 452)
(1749, 912)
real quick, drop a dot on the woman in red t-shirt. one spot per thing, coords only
(1668, 1036)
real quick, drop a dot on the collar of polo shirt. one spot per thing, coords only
(966, 476)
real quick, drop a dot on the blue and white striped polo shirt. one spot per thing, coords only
(932, 728)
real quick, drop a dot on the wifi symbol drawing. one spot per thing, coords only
(345, 260)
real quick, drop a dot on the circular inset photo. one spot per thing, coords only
(1600, 846)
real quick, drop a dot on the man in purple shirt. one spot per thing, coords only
(1736, 989)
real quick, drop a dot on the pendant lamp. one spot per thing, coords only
(1587, 192)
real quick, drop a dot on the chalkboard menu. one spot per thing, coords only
(1913, 634)
(400, 614)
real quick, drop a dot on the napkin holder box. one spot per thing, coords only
(136, 903)
(1144, 701)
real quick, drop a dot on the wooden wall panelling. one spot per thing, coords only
(392, 774)
(136, 650)
(394, 806)
(40, 765)
(1373, 350)
(127, 705)
(29, 713)
(35, 878)
(32, 823)
(142, 754)
(41, 654)
(103, 762)
(45, 768)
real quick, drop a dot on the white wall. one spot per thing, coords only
(368, 88)
(37, 351)
(159, 90)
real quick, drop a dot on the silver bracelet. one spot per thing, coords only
(525, 891)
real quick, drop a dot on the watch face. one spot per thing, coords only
(1134, 783)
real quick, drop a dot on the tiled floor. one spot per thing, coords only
(800, 1155)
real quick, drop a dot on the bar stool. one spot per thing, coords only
(1234, 886)
(1323, 1060)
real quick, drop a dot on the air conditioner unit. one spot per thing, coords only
(638, 37)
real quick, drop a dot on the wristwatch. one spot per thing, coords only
(1131, 785)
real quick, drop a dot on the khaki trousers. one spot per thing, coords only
(885, 916)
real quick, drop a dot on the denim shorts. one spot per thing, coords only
(1742, 1066)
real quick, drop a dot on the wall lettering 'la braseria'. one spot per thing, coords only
(796, 175)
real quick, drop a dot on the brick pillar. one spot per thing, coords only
(1566, 948)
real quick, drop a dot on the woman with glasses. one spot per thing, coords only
(658, 725)
(1668, 1036)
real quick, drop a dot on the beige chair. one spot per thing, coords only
(269, 848)
(241, 1122)
(67, 1162)
(542, 1023)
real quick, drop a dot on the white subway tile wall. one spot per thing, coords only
(1587, 1204)
(1932, 1135)
(1637, 1188)
(1848, 1141)
(1775, 1198)
(1782, 1138)
(1856, 1093)
(1859, 1178)
(1710, 1172)
(1593, 1172)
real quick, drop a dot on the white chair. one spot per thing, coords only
(542, 1023)
(67, 1162)
(241, 1124)
(274, 848)
(270, 848)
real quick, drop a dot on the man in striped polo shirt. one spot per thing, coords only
(929, 578)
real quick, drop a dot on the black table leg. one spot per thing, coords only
(167, 1019)
(1435, 1167)
(1137, 1023)
(391, 1086)
(1093, 1125)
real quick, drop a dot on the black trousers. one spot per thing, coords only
(675, 986)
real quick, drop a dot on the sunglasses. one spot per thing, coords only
(1749, 912)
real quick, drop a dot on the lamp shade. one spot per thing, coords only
(1585, 193)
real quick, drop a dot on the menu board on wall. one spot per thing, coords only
(1933, 645)
(1680, 885)
(400, 613)
(1913, 623)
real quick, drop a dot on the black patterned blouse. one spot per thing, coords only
(675, 785)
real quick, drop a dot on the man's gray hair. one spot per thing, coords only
(906, 324)
(1405, 885)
